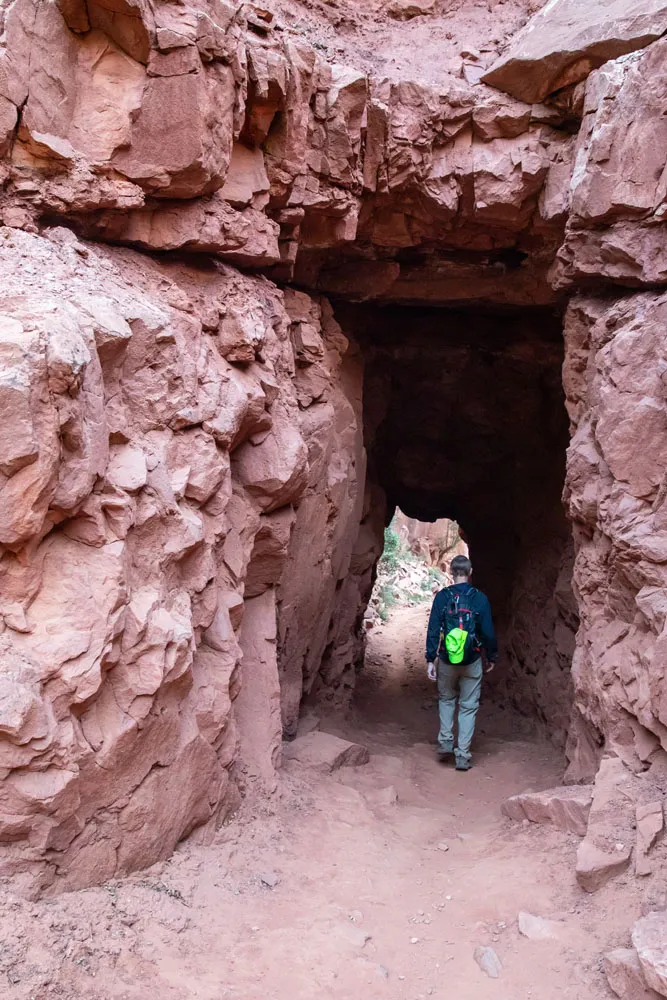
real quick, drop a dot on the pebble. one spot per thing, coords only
(269, 879)
(414, 940)
(488, 961)
(383, 971)
(537, 928)
(442, 846)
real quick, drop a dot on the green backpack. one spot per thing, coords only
(459, 642)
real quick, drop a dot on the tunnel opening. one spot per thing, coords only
(414, 565)
(464, 419)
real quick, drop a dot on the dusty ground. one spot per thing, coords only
(332, 891)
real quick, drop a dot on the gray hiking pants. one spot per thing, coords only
(466, 682)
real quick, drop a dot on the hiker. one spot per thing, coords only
(460, 631)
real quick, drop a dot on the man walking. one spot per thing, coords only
(460, 629)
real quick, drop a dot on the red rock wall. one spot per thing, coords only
(181, 440)
(436, 541)
(161, 423)
(614, 381)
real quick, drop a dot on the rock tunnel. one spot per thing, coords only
(257, 292)
(464, 417)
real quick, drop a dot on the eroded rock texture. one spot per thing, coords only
(157, 439)
(616, 399)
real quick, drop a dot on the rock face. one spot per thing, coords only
(613, 384)
(437, 542)
(625, 977)
(197, 459)
(163, 469)
(562, 44)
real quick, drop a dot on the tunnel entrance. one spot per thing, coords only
(465, 419)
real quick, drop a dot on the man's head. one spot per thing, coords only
(461, 569)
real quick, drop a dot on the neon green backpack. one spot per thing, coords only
(459, 643)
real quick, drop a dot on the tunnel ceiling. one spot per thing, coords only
(459, 403)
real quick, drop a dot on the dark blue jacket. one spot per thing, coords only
(479, 603)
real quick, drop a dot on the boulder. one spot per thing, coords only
(649, 937)
(625, 977)
(566, 807)
(324, 752)
(597, 865)
(564, 41)
(607, 847)
(405, 10)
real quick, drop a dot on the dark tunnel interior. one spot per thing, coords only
(465, 418)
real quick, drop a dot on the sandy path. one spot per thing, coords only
(361, 900)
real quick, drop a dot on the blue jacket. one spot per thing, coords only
(479, 603)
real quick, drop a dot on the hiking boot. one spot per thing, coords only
(463, 763)
(444, 755)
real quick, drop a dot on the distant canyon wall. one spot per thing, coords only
(436, 541)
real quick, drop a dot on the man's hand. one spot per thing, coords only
(490, 665)
(431, 671)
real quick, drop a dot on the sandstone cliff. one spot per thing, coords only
(188, 529)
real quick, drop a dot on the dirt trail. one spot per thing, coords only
(334, 890)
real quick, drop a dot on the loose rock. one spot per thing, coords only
(537, 928)
(650, 823)
(625, 977)
(325, 752)
(649, 936)
(405, 10)
(562, 43)
(269, 879)
(488, 961)
(566, 807)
